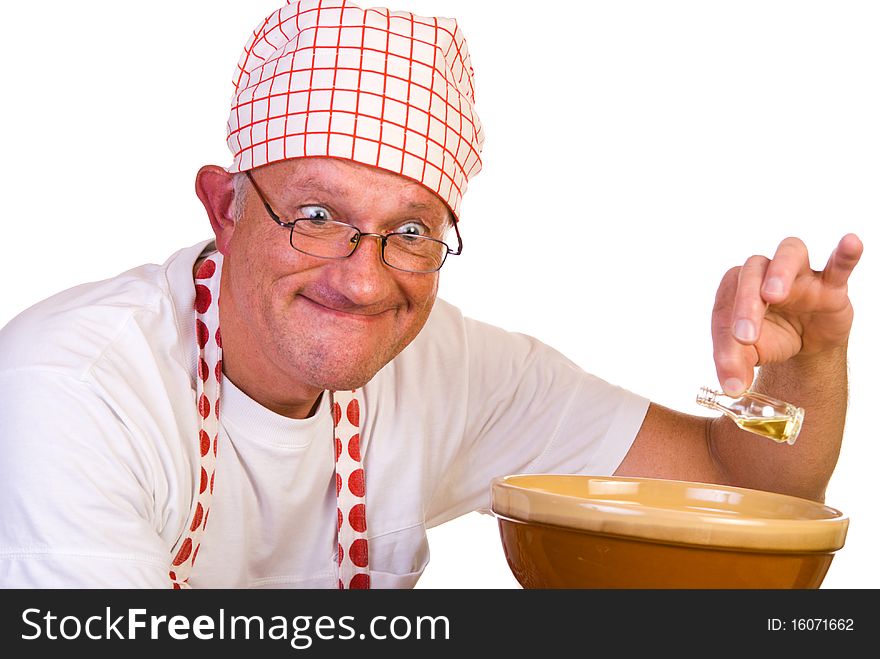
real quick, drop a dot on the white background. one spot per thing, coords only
(635, 150)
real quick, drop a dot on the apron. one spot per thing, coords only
(351, 518)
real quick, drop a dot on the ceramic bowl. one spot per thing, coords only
(565, 531)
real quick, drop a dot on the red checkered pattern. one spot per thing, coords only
(386, 89)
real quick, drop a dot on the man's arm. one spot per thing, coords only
(820, 386)
(799, 330)
(78, 502)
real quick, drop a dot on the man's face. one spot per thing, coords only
(324, 323)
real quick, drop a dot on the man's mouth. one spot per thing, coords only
(365, 315)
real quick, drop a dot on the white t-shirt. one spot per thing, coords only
(99, 459)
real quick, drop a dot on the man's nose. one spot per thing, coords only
(363, 276)
(357, 238)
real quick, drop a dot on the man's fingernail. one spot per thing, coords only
(773, 286)
(733, 386)
(744, 330)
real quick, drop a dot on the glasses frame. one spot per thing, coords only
(356, 239)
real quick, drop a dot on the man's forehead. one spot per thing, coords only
(339, 179)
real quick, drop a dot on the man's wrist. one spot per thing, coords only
(804, 372)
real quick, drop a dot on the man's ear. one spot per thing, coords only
(215, 190)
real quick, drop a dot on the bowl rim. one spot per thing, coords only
(512, 499)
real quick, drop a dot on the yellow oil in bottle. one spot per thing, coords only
(757, 413)
(777, 428)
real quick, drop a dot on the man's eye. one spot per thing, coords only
(317, 214)
(412, 229)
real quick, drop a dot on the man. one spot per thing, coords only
(290, 405)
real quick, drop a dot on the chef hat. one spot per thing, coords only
(386, 89)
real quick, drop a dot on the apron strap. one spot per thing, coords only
(351, 511)
(208, 377)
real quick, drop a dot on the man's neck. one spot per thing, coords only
(251, 381)
(259, 376)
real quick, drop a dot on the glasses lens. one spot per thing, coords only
(414, 253)
(323, 238)
(335, 240)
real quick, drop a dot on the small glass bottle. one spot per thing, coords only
(757, 413)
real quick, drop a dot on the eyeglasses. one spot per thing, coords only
(328, 239)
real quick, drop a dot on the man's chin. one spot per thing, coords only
(346, 370)
(345, 385)
(344, 381)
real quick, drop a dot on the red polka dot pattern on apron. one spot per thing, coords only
(353, 567)
(197, 518)
(184, 553)
(360, 580)
(206, 270)
(354, 448)
(203, 298)
(353, 412)
(207, 324)
(202, 334)
(352, 554)
(357, 517)
(356, 483)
